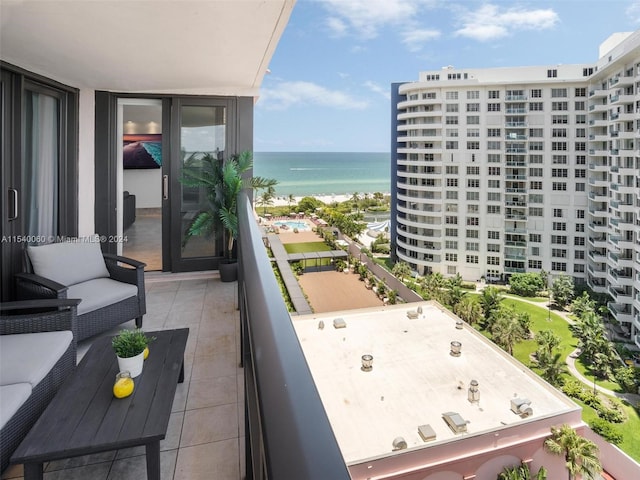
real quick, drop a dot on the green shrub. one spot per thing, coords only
(606, 430)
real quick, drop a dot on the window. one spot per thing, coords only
(578, 241)
(451, 207)
(451, 95)
(536, 106)
(581, 119)
(452, 132)
(451, 220)
(451, 244)
(451, 120)
(452, 182)
(535, 238)
(580, 187)
(494, 132)
(559, 132)
(552, 73)
(473, 107)
(473, 221)
(535, 158)
(559, 186)
(494, 94)
(451, 170)
(559, 252)
(535, 264)
(473, 132)
(451, 232)
(535, 185)
(558, 93)
(536, 146)
(580, 227)
(473, 120)
(493, 235)
(557, 212)
(472, 259)
(581, 146)
(473, 246)
(493, 107)
(452, 107)
(581, 105)
(493, 183)
(473, 196)
(493, 247)
(559, 146)
(494, 158)
(536, 212)
(473, 145)
(451, 145)
(494, 170)
(535, 172)
(493, 209)
(536, 132)
(473, 183)
(580, 92)
(494, 196)
(494, 145)
(558, 239)
(536, 93)
(451, 257)
(535, 251)
(493, 260)
(581, 160)
(451, 270)
(558, 266)
(473, 234)
(579, 213)
(536, 198)
(580, 173)
(578, 254)
(559, 119)
(451, 195)
(473, 94)
(473, 208)
(559, 159)
(578, 268)
(559, 172)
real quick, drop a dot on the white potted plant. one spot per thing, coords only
(130, 347)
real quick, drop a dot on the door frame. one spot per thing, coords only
(239, 138)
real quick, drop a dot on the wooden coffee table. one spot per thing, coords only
(84, 417)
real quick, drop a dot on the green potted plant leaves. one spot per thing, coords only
(130, 346)
(222, 180)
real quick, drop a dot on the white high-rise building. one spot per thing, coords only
(523, 169)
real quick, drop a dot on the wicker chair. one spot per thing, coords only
(33, 317)
(111, 287)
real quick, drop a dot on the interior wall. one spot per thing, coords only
(146, 185)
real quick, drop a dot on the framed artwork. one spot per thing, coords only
(142, 151)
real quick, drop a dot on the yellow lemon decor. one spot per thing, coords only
(146, 352)
(123, 386)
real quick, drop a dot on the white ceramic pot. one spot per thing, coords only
(133, 365)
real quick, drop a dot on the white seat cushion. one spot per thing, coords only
(69, 262)
(29, 357)
(11, 399)
(99, 293)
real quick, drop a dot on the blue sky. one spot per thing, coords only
(330, 78)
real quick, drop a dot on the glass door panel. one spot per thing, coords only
(203, 131)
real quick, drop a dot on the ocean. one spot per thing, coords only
(324, 173)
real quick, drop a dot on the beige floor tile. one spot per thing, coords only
(135, 468)
(209, 424)
(213, 366)
(217, 460)
(212, 392)
(216, 344)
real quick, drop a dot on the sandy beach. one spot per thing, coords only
(284, 201)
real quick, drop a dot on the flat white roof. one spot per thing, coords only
(414, 379)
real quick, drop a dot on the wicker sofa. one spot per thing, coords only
(37, 353)
(111, 287)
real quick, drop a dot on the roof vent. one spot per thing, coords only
(459, 324)
(456, 348)
(521, 407)
(339, 323)
(399, 443)
(455, 421)
(367, 363)
(474, 392)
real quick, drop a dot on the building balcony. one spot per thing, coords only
(620, 311)
(597, 93)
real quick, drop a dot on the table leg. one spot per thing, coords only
(33, 471)
(153, 460)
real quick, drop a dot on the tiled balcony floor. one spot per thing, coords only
(205, 438)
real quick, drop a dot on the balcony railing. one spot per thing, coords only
(288, 434)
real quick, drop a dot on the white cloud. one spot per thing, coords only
(489, 22)
(633, 11)
(416, 38)
(289, 94)
(364, 17)
(374, 87)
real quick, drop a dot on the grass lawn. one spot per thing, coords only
(586, 372)
(531, 299)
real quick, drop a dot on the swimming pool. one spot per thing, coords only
(291, 224)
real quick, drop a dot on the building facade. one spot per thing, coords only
(507, 170)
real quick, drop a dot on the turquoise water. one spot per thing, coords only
(324, 173)
(293, 224)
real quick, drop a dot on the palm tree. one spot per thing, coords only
(401, 270)
(468, 309)
(580, 454)
(506, 332)
(266, 198)
(521, 472)
(551, 366)
(547, 341)
(355, 198)
(490, 302)
(290, 199)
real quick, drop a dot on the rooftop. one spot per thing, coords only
(414, 379)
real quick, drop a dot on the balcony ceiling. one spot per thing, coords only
(215, 47)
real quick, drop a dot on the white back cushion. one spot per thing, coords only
(70, 262)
